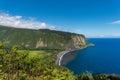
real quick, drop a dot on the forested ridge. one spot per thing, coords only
(40, 38)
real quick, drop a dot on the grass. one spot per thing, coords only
(37, 53)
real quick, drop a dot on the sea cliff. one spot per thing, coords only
(41, 39)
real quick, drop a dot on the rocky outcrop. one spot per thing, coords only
(78, 41)
(40, 43)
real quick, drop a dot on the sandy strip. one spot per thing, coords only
(61, 54)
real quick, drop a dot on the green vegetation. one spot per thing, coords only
(39, 39)
(89, 44)
(30, 65)
(90, 76)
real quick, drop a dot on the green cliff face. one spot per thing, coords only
(42, 38)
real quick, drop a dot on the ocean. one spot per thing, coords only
(103, 57)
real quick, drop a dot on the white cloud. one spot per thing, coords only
(20, 22)
(116, 22)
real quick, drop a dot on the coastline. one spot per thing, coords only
(61, 54)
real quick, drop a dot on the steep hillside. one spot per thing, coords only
(42, 38)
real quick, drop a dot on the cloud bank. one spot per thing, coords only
(20, 22)
(116, 22)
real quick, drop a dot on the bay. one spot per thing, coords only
(104, 57)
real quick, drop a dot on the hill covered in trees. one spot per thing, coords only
(42, 38)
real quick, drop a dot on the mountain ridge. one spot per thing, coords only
(40, 38)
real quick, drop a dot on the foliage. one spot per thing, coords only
(90, 76)
(107, 77)
(28, 38)
(86, 76)
(30, 65)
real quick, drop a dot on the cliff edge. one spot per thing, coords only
(42, 38)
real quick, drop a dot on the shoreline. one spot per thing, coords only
(61, 54)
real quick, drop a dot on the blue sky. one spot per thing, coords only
(94, 18)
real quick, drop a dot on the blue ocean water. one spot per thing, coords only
(104, 57)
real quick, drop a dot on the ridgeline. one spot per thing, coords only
(42, 38)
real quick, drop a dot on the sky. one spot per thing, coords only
(93, 18)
